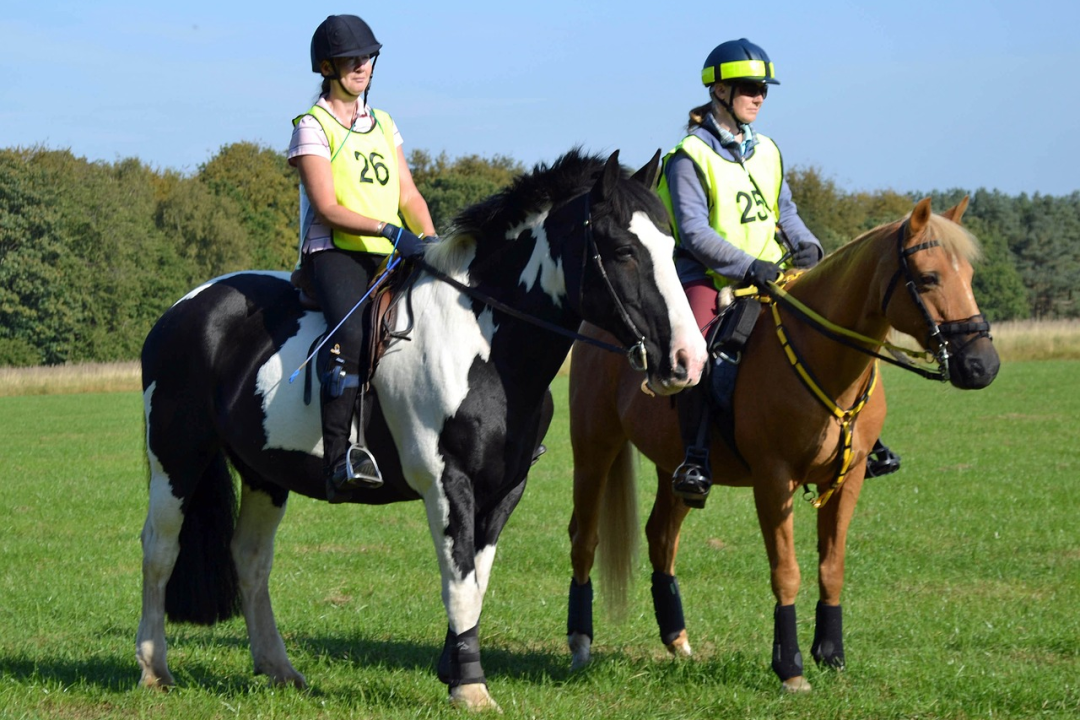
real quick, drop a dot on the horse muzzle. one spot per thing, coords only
(975, 364)
(683, 367)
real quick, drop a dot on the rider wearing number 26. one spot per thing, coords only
(732, 215)
(358, 203)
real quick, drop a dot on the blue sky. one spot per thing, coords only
(917, 95)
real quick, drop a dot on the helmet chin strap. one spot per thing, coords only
(729, 104)
(337, 76)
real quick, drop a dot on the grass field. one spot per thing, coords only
(961, 597)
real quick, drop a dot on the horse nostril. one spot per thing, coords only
(681, 369)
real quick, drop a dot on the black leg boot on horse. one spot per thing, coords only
(693, 479)
(346, 466)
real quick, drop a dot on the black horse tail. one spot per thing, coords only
(203, 588)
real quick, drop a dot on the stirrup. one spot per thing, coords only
(881, 461)
(356, 470)
(691, 480)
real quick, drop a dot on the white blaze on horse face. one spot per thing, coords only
(541, 266)
(686, 337)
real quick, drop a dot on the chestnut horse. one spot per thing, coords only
(802, 384)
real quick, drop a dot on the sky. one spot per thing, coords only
(911, 96)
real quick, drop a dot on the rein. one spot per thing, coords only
(635, 354)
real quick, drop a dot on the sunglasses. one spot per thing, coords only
(752, 89)
(355, 62)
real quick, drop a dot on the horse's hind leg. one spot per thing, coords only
(253, 552)
(161, 546)
(662, 531)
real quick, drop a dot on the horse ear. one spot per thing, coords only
(919, 217)
(956, 214)
(649, 172)
(608, 178)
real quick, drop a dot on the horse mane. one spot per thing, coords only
(532, 193)
(955, 239)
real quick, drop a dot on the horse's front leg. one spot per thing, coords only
(662, 531)
(253, 552)
(773, 499)
(832, 525)
(465, 572)
(161, 547)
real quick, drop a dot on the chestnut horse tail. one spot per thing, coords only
(203, 588)
(619, 534)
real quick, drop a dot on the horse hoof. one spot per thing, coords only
(580, 649)
(473, 697)
(795, 685)
(680, 646)
(296, 680)
(160, 684)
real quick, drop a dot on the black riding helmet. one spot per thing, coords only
(342, 36)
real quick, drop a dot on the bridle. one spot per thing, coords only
(939, 336)
(635, 354)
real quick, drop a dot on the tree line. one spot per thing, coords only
(91, 253)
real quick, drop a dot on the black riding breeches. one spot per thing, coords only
(339, 279)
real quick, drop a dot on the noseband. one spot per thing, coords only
(939, 336)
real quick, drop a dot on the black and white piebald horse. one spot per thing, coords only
(458, 405)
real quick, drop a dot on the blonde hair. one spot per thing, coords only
(698, 115)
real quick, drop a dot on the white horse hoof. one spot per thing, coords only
(580, 649)
(795, 685)
(680, 646)
(473, 697)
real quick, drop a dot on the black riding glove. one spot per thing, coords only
(762, 272)
(806, 255)
(408, 244)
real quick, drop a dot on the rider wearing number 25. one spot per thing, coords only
(358, 202)
(732, 216)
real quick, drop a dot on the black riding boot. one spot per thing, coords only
(346, 467)
(881, 460)
(693, 479)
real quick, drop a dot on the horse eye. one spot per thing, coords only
(624, 253)
(929, 280)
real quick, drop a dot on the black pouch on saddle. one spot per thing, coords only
(735, 327)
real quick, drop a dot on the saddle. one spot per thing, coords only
(382, 312)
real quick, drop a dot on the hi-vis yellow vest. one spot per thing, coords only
(745, 215)
(365, 171)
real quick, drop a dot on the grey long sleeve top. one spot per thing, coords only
(701, 246)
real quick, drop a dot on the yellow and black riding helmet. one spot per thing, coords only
(737, 61)
(343, 36)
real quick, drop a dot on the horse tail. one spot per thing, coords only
(619, 533)
(203, 588)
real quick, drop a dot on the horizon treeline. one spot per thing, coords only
(91, 253)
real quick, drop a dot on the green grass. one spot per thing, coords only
(961, 596)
